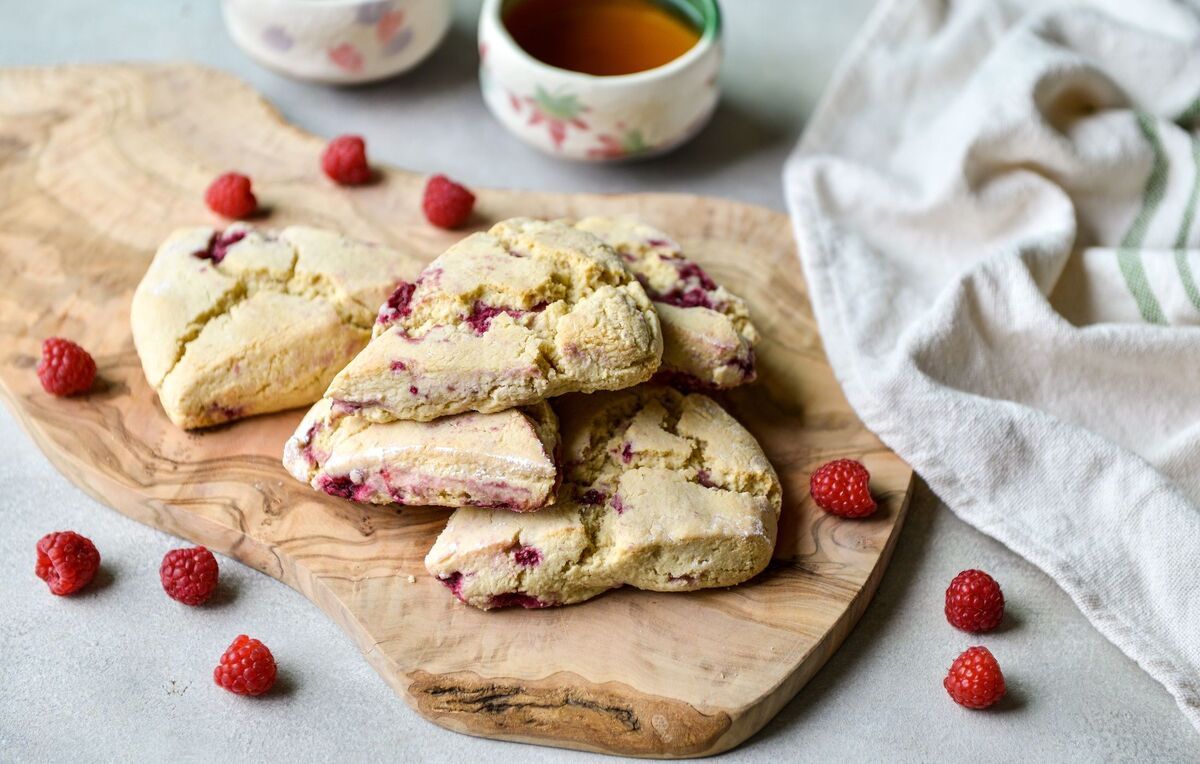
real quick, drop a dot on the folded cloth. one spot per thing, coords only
(996, 214)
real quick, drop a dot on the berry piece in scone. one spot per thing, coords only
(246, 321)
(504, 460)
(662, 491)
(527, 311)
(708, 339)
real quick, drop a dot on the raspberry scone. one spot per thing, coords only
(524, 312)
(708, 340)
(505, 460)
(240, 322)
(662, 491)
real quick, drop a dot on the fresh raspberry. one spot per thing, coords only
(446, 203)
(65, 368)
(66, 561)
(230, 196)
(189, 575)
(246, 668)
(974, 601)
(974, 679)
(345, 161)
(842, 487)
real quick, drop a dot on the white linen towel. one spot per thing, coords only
(996, 211)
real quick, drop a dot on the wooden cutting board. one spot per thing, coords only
(98, 164)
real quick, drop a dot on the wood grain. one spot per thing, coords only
(98, 164)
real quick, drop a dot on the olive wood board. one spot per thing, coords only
(99, 163)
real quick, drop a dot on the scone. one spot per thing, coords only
(708, 339)
(241, 322)
(524, 312)
(662, 491)
(505, 460)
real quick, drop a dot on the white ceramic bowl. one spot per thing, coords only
(593, 118)
(339, 41)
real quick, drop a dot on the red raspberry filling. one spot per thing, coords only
(746, 365)
(592, 497)
(225, 413)
(693, 292)
(482, 314)
(341, 486)
(398, 305)
(518, 599)
(527, 556)
(218, 245)
(454, 583)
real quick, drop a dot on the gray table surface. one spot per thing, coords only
(121, 673)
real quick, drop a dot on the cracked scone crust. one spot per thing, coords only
(524, 312)
(708, 339)
(506, 460)
(662, 491)
(240, 322)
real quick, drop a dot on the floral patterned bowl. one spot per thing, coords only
(599, 118)
(339, 41)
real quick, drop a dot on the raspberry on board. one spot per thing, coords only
(189, 575)
(66, 561)
(842, 487)
(446, 203)
(345, 161)
(974, 602)
(230, 196)
(65, 368)
(975, 679)
(246, 668)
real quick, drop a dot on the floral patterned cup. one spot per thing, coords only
(339, 41)
(593, 118)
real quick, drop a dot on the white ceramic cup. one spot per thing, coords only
(338, 41)
(599, 118)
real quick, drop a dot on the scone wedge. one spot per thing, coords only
(239, 322)
(662, 491)
(524, 312)
(708, 338)
(507, 460)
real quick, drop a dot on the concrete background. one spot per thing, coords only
(122, 673)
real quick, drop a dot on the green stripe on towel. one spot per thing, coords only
(1129, 257)
(1189, 215)
(1191, 114)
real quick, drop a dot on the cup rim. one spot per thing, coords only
(293, 4)
(708, 38)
